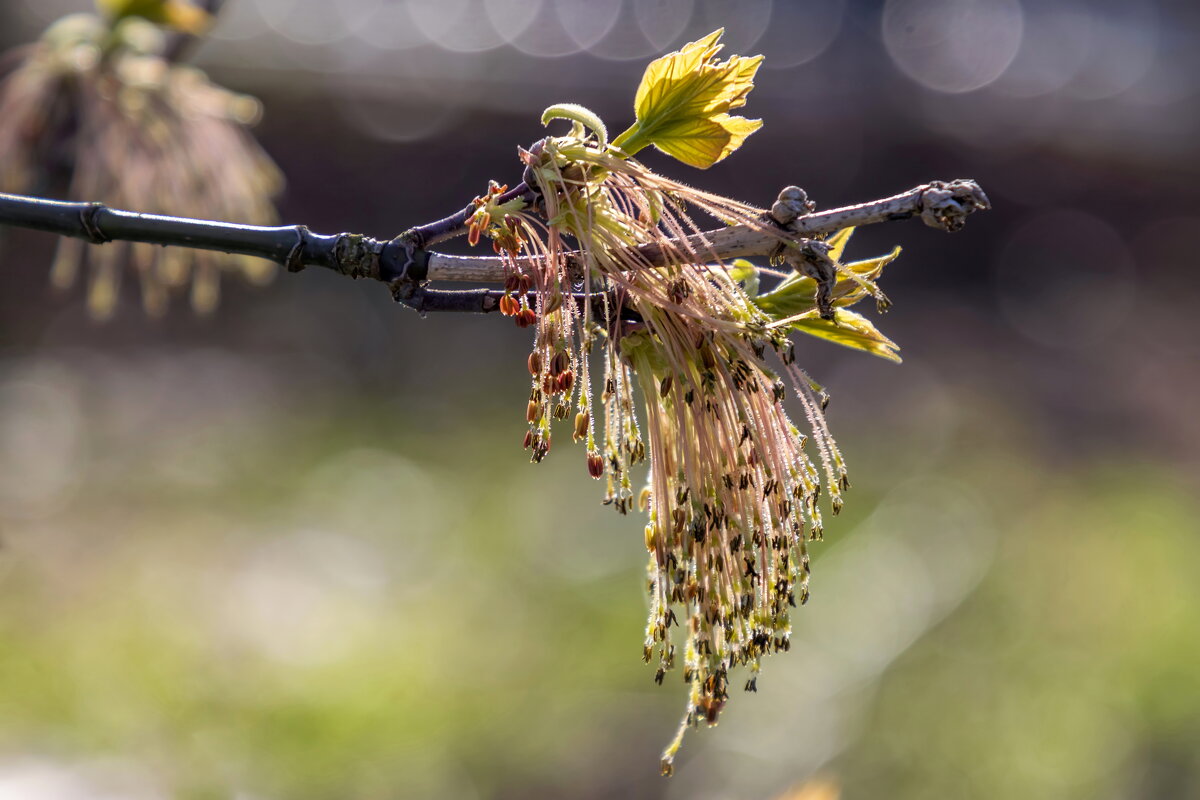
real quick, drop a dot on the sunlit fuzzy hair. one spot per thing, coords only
(133, 130)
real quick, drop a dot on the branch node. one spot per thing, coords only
(294, 262)
(357, 255)
(792, 203)
(87, 218)
(946, 205)
(811, 257)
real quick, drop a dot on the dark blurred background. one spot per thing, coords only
(293, 550)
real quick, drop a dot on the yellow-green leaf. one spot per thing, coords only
(745, 273)
(849, 329)
(683, 104)
(837, 243)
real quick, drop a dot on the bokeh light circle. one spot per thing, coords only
(307, 23)
(645, 29)
(1056, 44)
(953, 46)
(558, 28)
(743, 26)
(799, 32)
(459, 25)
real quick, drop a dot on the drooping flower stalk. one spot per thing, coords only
(734, 488)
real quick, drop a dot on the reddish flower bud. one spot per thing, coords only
(525, 317)
(528, 440)
(512, 283)
(595, 465)
(560, 363)
(533, 412)
(582, 421)
(535, 363)
(509, 306)
(524, 283)
(565, 381)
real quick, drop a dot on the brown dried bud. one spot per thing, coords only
(524, 283)
(565, 381)
(528, 440)
(535, 363)
(533, 412)
(664, 388)
(595, 465)
(512, 283)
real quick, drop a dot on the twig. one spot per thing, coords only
(406, 265)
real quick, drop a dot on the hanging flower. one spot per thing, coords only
(734, 487)
(95, 106)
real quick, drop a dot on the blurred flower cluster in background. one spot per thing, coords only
(292, 550)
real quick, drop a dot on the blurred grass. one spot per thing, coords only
(309, 604)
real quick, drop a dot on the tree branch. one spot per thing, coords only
(406, 265)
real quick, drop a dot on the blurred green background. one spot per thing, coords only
(293, 550)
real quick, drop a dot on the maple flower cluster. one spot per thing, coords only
(734, 487)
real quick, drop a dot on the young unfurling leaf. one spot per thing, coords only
(580, 116)
(684, 100)
(849, 329)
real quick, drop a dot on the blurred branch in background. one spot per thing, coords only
(99, 107)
